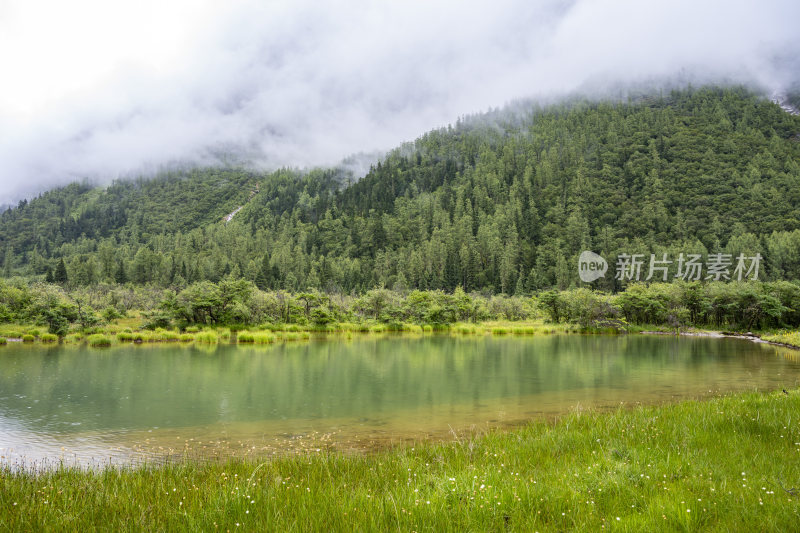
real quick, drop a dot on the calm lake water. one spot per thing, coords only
(131, 403)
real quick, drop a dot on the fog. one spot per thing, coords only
(99, 90)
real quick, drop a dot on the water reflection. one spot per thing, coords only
(127, 402)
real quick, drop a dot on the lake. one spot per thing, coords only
(131, 403)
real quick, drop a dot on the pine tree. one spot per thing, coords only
(120, 276)
(60, 275)
(264, 276)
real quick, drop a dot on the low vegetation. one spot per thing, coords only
(791, 338)
(238, 305)
(732, 467)
(98, 340)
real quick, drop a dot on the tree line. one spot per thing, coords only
(239, 303)
(501, 202)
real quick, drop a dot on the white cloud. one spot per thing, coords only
(101, 89)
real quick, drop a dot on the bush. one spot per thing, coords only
(111, 313)
(192, 329)
(98, 340)
(3, 341)
(28, 338)
(49, 337)
(157, 320)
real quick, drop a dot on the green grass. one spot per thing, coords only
(207, 337)
(48, 337)
(164, 335)
(263, 337)
(714, 465)
(245, 337)
(98, 340)
(3, 341)
(259, 337)
(791, 338)
(28, 338)
(12, 331)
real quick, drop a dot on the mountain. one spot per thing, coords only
(503, 201)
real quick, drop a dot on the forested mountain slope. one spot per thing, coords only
(503, 201)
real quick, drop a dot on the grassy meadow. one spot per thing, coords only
(731, 463)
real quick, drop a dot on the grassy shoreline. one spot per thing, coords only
(130, 332)
(727, 463)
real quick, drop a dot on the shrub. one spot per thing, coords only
(14, 335)
(111, 313)
(3, 341)
(34, 332)
(28, 338)
(49, 337)
(98, 340)
(192, 329)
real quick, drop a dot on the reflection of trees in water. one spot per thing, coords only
(172, 386)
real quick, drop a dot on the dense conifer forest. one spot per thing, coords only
(501, 202)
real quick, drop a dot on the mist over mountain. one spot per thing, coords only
(99, 91)
(503, 201)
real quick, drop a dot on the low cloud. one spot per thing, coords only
(106, 91)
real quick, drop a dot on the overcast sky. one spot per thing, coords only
(105, 88)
